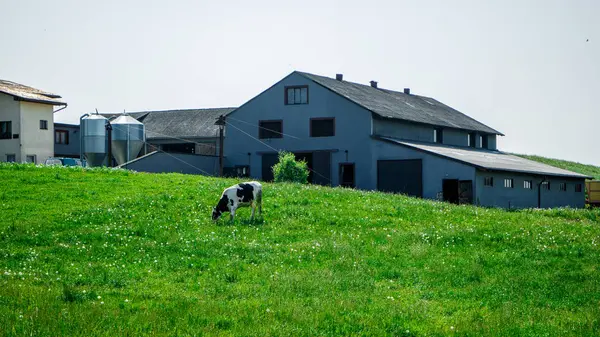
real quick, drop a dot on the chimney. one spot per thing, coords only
(374, 84)
(339, 77)
(407, 91)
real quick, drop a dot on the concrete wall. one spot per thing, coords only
(352, 129)
(435, 168)
(72, 149)
(160, 162)
(35, 141)
(519, 197)
(9, 112)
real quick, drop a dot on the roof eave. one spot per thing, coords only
(40, 101)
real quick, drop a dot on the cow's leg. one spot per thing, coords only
(232, 214)
(259, 201)
(253, 208)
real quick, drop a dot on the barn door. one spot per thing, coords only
(268, 161)
(321, 168)
(400, 176)
(465, 192)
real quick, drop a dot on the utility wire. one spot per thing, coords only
(264, 128)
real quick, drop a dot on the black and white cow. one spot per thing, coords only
(240, 195)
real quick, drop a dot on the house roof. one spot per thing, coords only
(189, 123)
(488, 160)
(29, 94)
(398, 105)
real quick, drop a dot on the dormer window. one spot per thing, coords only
(296, 95)
(471, 140)
(484, 142)
(438, 136)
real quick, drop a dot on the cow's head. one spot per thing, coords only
(216, 214)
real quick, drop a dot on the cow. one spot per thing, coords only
(240, 195)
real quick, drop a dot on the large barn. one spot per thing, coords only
(368, 137)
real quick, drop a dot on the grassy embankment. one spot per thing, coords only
(107, 253)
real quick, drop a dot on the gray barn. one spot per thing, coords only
(372, 138)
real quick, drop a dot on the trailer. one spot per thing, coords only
(592, 188)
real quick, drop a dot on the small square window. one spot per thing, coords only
(578, 188)
(11, 158)
(31, 159)
(270, 129)
(546, 185)
(296, 95)
(6, 130)
(43, 124)
(509, 183)
(322, 127)
(488, 181)
(61, 137)
(562, 187)
(527, 184)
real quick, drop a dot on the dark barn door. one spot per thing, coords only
(465, 195)
(400, 176)
(268, 161)
(321, 168)
(450, 190)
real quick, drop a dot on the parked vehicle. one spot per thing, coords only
(63, 161)
(593, 192)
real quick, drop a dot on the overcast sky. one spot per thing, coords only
(530, 69)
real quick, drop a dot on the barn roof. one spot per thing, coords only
(487, 159)
(29, 94)
(188, 123)
(398, 105)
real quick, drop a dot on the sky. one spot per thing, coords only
(527, 68)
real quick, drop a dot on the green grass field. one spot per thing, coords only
(590, 170)
(112, 253)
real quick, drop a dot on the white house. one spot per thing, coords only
(26, 123)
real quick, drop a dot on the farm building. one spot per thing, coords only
(184, 141)
(372, 138)
(26, 123)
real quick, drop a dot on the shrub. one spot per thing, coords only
(290, 170)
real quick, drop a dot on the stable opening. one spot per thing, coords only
(347, 175)
(450, 190)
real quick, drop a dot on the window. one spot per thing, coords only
(484, 142)
(242, 171)
(438, 136)
(61, 137)
(270, 129)
(562, 187)
(43, 124)
(509, 183)
(527, 184)
(296, 95)
(546, 185)
(488, 181)
(471, 140)
(578, 188)
(5, 130)
(322, 127)
(31, 159)
(11, 158)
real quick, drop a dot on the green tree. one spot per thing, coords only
(288, 169)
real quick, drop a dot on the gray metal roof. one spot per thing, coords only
(398, 105)
(29, 94)
(489, 160)
(189, 123)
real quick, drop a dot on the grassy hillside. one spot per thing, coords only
(112, 253)
(590, 170)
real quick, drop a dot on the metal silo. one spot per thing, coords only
(93, 139)
(127, 138)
